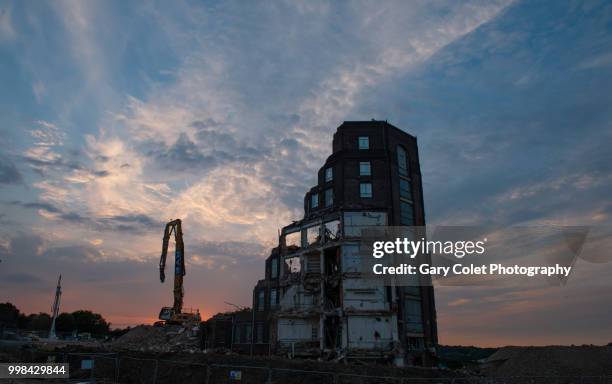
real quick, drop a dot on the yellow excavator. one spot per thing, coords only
(175, 314)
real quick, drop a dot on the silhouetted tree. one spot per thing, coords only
(39, 322)
(23, 321)
(65, 322)
(82, 320)
(9, 314)
(87, 321)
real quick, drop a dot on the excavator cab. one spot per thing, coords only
(169, 316)
(166, 313)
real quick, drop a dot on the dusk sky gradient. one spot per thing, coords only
(116, 117)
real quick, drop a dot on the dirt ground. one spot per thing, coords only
(550, 361)
(143, 365)
(190, 367)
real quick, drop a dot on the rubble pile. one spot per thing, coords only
(159, 339)
(549, 361)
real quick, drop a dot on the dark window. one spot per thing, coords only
(402, 161)
(314, 200)
(261, 303)
(259, 335)
(406, 214)
(329, 174)
(329, 197)
(364, 142)
(248, 336)
(405, 190)
(273, 297)
(364, 168)
(237, 333)
(274, 268)
(365, 190)
(413, 318)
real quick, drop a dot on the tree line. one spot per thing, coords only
(80, 321)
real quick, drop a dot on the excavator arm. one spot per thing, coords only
(179, 266)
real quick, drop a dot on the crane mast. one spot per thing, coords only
(55, 308)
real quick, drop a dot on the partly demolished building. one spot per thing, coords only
(313, 301)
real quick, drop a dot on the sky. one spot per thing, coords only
(116, 117)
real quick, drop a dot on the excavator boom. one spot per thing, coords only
(179, 267)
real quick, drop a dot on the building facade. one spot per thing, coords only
(314, 300)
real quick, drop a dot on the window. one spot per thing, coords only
(248, 336)
(237, 333)
(365, 190)
(405, 190)
(274, 268)
(259, 335)
(402, 161)
(406, 214)
(329, 174)
(314, 200)
(293, 264)
(354, 222)
(293, 240)
(313, 235)
(332, 230)
(315, 332)
(273, 297)
(413, 319)
(364, 142)
(364, 168)
(329, 197)
(261, 300)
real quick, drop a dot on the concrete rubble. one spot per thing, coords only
(159, 339)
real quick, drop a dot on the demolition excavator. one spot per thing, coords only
(175, 314)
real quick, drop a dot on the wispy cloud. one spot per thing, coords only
(7, 31)
(598, 61)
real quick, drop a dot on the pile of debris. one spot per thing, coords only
(567, 361)
(159, 339)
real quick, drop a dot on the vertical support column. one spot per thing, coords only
(208, 374)
(117, 367)
(322, 297)
(155, 371)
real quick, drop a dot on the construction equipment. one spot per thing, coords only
(174, 314)
(55, 308)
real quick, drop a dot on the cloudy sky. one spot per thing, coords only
(118, 116)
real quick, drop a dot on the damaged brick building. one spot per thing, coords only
(313, 301)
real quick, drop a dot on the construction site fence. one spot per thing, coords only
(112, 368)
